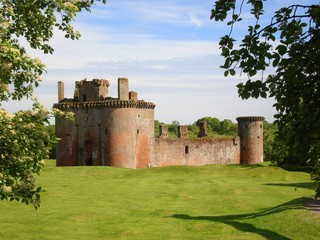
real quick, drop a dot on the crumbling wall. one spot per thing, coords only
(196, 152)
(95, 90)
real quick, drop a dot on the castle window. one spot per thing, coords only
(84, 98)
(260, 125)
(137, 131)
(106, 131)
(186, 149)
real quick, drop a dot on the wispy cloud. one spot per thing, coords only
(195, 20)
(168, 50)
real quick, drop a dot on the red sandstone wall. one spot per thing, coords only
(196, 152)
(122, 132)
(66, 148)
(145, 137)
(119, 137)
(251, 135)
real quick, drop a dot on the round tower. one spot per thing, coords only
(250, 131)
(106, 131)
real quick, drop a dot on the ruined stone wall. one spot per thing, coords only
(196, 152)
(119, 132)
(94, 90)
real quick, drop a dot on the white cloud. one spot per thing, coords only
(194, 20)
(135, 39)
(95, 47)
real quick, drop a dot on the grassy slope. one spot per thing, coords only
(210, 202)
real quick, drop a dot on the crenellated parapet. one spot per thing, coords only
(250, 118)
(114, 103)
(94, 94)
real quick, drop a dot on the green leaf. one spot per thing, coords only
(276, 60)
(282, 49)
(263, 94)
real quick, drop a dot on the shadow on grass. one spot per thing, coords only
(307, 185)
(235, 220)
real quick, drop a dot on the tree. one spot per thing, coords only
(193, 131)
(227, 127)
(215, 126)
(173, 129)
(51, 130)
(24, 141)
(212, 122)
(288, 48)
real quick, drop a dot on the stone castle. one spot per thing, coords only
(119, 132)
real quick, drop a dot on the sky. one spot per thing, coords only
(167, 49)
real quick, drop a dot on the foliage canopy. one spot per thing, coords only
(287, 48)
(24, 141)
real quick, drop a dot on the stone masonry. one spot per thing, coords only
(119, 132)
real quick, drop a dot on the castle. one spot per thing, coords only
(119, 132)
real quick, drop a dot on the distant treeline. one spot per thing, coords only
(215, 127)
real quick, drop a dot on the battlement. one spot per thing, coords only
(250, 118)
(107, 103)
(94, 94)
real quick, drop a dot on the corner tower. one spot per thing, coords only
(250, 131)
(106, 131)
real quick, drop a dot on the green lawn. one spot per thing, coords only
(210, 202)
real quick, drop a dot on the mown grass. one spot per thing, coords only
(210, 202)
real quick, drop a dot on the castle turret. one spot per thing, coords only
(250, 130)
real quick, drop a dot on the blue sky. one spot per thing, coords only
(168, 50)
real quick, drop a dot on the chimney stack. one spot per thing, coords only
(123, 89)
(60, 91)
